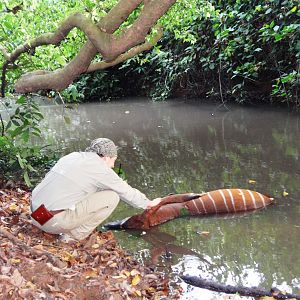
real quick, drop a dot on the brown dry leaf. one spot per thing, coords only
(204, 233)
(151, 276)
(21, 236)
(136, 279)
(90, 273)
(17, 279)
(67, 256)
(151, 290)
(95, 246)
(122, 276)
(30, 285)
(13, 207)
(5, 270)
(126, 273)
(60, 295)
(53, 288)
(134, 272)
(38, 247)
(113, 265)
(15, 261)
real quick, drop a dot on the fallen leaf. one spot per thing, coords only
(91, 273)
(30, 285)
(15, 261)
(17, 279)
(13, 207)
(136, 279)
(285, 193)
(127, 273)
(53, 288)
(134, 272)
(119, 276)
(203, 233)
(5, 270)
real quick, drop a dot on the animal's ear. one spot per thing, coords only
(193, 196)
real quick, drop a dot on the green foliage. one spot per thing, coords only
(120, 171)
(19, 158)
(101, 85)
(230, 50)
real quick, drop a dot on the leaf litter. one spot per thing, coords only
(37, 265)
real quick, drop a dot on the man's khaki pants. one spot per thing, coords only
(87, 215)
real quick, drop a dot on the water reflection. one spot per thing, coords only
(184, 147)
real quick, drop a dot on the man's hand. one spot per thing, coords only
(154, 202)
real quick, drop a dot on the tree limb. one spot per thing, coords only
(131, 53)
(112, 47)
(241, 290)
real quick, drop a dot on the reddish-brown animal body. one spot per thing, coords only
(214, 202)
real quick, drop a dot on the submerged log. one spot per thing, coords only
(241, 290)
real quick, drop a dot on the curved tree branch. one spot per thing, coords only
(112, 48)
(61, 78)
(131, 53)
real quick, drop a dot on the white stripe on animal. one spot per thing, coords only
(203, 205)
(262, 198)
(244, 200)
(252, 197)
(231, 198)
(213, 201)
(224, 199)
(196, 206)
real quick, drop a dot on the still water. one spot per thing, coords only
(182, 146)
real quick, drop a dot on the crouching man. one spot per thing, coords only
(81, 191)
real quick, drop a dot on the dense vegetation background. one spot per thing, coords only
(233, 50)
(243, 51)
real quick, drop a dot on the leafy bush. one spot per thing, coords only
(234, 50)
(18, 157)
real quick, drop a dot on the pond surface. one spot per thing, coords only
(182, 146)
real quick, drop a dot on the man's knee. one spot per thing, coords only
(114, 197)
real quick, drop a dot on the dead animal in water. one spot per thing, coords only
(214, 202)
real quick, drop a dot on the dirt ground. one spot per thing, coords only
(36, 265)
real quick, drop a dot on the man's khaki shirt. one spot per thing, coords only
(78, 175)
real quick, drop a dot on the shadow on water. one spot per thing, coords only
(191, 147)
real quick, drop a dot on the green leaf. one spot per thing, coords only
(26, 178)
(268, 10)
(67, 119)
(25, 136)
(20, 161)
(184, 212)
(61, 60)
(21, 100)
(15, 122)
